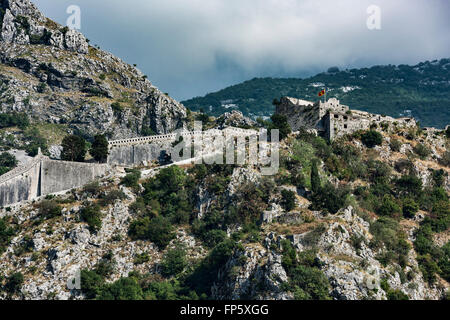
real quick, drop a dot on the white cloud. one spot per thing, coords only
(192, 46)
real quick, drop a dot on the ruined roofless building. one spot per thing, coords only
(332, 119)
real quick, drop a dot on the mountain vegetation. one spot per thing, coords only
(421, 91)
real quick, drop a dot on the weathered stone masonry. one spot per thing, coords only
(332, 119)
(43, 176)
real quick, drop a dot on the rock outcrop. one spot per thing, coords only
(54, 75)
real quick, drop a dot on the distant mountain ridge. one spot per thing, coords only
(421, 91)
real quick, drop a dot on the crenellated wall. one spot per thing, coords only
(135, 151)
(43, 176)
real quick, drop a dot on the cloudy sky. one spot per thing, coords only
(191, 47)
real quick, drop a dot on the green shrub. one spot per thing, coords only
(387, 231)
(92, 216)
(112, 196)
(288, 199)
(206, 273)
(6, 234)
(7, 162)
(117, 109)
(141, 258)
(306, 280)
(49, 209)
(131, 179)
(392, 294)
(280, 122)
(410, 208)
(122, 289)
(174, 262)
(330, 199)
(422, 151)
(409, 185)
(35, 141)
(395, 145)
(14, 119)
(158, 230)
(445, 160)
(93, 188)
(105, 266)
(91, 282)
(14, 283)
(389, 207)
(371, 139)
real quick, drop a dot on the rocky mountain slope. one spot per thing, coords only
(338, 221)
(421, 91)
(52, 73)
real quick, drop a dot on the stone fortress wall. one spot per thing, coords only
(141, 150)
(332, 119)
(42, 176)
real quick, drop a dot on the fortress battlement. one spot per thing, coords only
(332, 119)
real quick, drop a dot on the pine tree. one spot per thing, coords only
(99, 148)
(74, 148)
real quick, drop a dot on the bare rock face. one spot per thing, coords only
(24, 24)
(234, 119)
(51, 73)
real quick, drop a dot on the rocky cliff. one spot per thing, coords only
(378, 228)
(54, 75)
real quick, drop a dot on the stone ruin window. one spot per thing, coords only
(345, 118)
(336, 116)
(345, 126)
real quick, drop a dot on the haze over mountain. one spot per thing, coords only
(190, 48)
(421, 91)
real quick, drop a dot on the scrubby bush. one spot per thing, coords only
(35, 141)
(206, 273)
(7, 162)
(288, 199)
(112, 196)
(445, 160)
(92, 216)
(306, 280)
(123, 289)
(158, 230)
(14, 283)
(389, 207)
(422, 151)
(49, 209)
(330, 198)
(6, 234)
(131, 180)
(410, 208)
(173, 262)
(91, 283)
(14, 119)
(371, 138)
(395, 145)
(387, 231)
(92, 189)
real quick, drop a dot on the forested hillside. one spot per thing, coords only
(422, 91)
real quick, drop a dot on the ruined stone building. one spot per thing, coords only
(331, 119)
